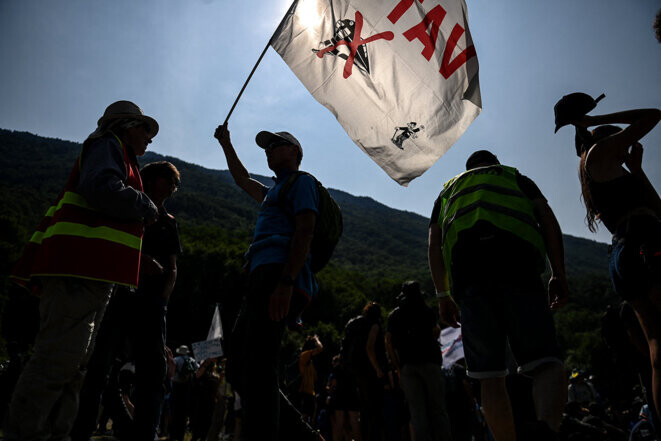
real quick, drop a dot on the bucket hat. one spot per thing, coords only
(182, 350)
(123, 110)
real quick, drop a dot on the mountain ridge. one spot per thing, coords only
(380, 248)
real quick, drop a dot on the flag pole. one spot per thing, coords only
(289, 12)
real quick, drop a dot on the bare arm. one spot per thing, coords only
(241, 176)
(609, 152)
(319, 348)
(558, 292)
(392, 354)
(447, 309)
(203, 367)
(371, 353)
(298, 253)
(439, 272)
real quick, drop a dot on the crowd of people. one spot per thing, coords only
(104, 263)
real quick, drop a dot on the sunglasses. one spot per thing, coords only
(276, 144)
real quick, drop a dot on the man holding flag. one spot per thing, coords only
(279, 264)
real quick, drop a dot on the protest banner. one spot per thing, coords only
(212, 346)
(401, 76)
(207, 349)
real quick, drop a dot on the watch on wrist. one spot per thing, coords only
(287, 280)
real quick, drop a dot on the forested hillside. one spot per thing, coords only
(380, 248)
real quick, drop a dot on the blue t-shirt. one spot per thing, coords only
(275, 227)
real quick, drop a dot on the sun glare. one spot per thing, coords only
(307, 13)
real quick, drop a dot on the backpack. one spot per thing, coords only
(328, 228)
(188, 369)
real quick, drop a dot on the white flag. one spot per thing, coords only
(216, 328)
(401, 76)
(452, 346)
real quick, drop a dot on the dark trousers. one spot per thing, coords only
(253, 365)
(255, 354)
(180, 405)
(136, 321)
(148, 341)
(370, 390)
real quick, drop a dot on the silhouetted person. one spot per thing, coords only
(490, 232)
(626, 203)
(412, 343)
(89, 241)
(279, 265)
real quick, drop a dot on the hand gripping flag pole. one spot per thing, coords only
(290, 11)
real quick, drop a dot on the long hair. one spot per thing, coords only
(599, 133)
(372, 311)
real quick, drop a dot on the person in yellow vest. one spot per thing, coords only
(490, 233)
(88, 242)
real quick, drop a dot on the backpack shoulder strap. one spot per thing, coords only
(289, 183)
(286, 187)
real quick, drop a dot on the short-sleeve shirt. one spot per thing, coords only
(411, 329)
(276, 224)
(487, 248)
(160, 241)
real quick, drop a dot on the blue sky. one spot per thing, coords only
(184, 62)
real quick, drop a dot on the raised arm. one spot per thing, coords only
(612, 148)
(241, 176)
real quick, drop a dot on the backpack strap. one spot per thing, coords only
(284, 191)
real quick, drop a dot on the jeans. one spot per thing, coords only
(424, 388)
(45, 400)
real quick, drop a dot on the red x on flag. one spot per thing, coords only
(355, 43)
(415, 90)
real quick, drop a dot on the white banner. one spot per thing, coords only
(452, 346)
(207, 349)
(401, 76)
